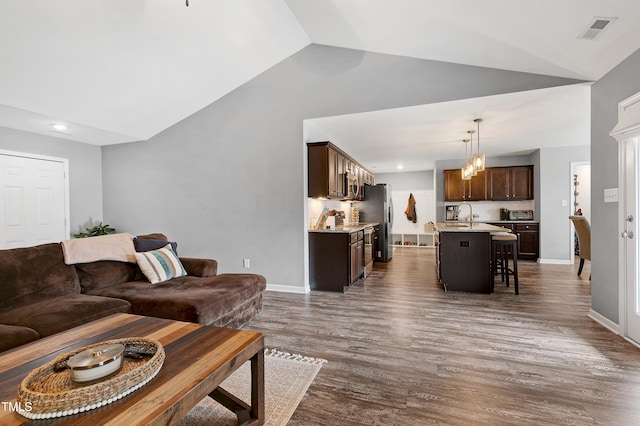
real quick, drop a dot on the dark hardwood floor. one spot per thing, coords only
(403, 352)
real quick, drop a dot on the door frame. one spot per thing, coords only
(65, 165)
(628, 127)
(574, 165)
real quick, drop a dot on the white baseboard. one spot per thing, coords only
(611, 326)
(287, 288)
(555, 261)
(604, 321)
(633, 342)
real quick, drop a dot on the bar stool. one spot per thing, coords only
(500, 243)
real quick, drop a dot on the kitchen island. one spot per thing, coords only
(464, 256)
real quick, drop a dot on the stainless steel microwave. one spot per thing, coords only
(351, 184)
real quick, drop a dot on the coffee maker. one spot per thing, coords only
(504, 214)
(451, 212)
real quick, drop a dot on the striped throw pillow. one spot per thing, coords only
(160, 265)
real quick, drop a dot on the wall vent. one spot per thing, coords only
(596, 27)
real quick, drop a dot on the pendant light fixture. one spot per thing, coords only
(464, 170)
(478, 159)
(471, 167)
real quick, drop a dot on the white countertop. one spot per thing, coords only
(347, 229)
(466, 227)
(492, 221)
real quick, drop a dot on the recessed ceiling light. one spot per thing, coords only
(59, 127)
(400, 167)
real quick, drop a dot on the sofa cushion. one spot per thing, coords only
(33, 274)
(62, 313)
(154, 236)
(105, 273)
(12, 336)
(148, 244)
(202, 300)
(200, 267)
(160, 265)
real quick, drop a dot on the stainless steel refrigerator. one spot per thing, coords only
(378, 207)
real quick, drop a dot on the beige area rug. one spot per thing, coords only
(287, 378)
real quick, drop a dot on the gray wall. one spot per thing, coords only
(229, 182)
(85, 171)
(537, 194)
(617, 85)
(407, 181)
(556, 184)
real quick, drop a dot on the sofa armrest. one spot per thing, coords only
(200, 267)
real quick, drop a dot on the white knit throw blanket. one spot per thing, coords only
(104, 247)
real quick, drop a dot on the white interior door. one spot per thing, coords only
(33, 201)
(627, 133)
(628, 225)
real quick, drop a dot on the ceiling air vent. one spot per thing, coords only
(596, 27)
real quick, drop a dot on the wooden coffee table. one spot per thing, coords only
(198, 359)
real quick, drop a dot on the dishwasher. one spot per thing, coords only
(369, 238)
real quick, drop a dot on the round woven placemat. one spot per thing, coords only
(45, 393)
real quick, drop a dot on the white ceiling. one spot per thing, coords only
(124, 70)
(415, 137)
(119, 70)
(537, 36)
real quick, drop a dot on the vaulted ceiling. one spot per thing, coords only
(116, 71)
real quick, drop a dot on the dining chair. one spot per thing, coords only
(583, 229)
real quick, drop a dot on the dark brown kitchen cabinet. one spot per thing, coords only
(494, 184)
(454, 186)
(369, 178)
(456, 189)
(521, 183)
(477, 187)
(498, 183)
(327, 166)
(528, 238)
(356, 259)
(332, 175)
(336, 260)
(510, 183)
(326, 170)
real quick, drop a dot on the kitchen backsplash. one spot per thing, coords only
(486, 211)
(316, 206)
(490, 210)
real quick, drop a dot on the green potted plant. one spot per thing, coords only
(100, 229)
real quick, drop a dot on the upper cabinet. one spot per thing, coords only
(334, 174)
(510, 183)
(494, 183)
(521, 183)
(478, 187)
(454, 186)
(456, 189)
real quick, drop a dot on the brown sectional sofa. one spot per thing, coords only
(40, 295)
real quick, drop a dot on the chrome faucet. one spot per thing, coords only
(470, 212)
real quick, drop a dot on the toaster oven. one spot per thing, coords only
(520, 214)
